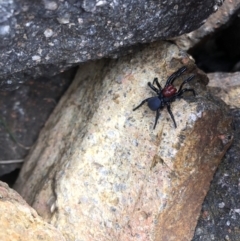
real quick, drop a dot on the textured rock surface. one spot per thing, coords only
(220, 215)
(45, 37)
(220, 219)
(226, 86)
(100, 172)
(19, 222)
(23, 113)
(213, 23)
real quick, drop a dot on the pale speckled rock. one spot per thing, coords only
(20, 222)
(226, 86)
(100, 172)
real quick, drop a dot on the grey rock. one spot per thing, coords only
(45, 37)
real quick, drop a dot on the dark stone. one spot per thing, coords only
(45, 37)
(23, 114)
(220, 51)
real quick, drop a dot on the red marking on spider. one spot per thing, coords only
(169, 91)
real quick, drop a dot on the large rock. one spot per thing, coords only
(100, 172)
(19, 222)
(45, 37)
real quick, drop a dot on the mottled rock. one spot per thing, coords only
(20, 222)
(100, 172)
(45, 37)
(226, 86)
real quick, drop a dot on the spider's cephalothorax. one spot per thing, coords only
(166, 95)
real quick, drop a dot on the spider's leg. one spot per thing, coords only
(157, 117)
(179, 93)
(153, 88)
(175, 75)
(184, 82)
(171, 114)
(144, 101)
(155, 80)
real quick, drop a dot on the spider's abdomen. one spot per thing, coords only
(169, 91)
(154, 103)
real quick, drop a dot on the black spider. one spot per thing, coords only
(166, 95)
